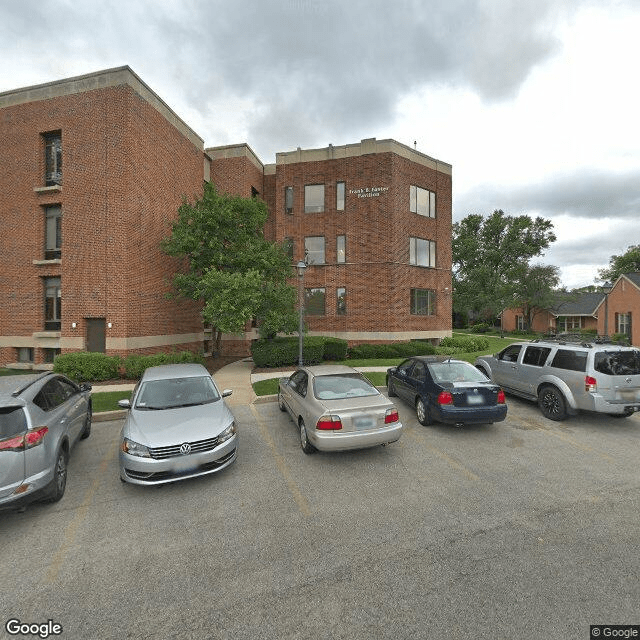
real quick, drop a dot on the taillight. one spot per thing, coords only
(390, 416)
(29, 440)
(326, 423)
(501, 398)
(590, 384)
(445, 398)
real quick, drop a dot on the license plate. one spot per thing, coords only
(475, 400)
(364, 422)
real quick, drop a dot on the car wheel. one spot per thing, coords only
(56, 487)
(552, 403)
(86, 432)
(307, 447)
(391, 392)
(424, 417)
(281, 405)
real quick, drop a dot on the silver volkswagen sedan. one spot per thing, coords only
(178, 426)
(336, 408)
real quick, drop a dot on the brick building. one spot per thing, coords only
(95, 169)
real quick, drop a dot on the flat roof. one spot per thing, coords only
(115, 77)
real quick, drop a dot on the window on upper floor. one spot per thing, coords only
(313, 198)
(53, 232)
(422, 252)
(341, 301)
(341, 249)
(314, 301)
(288, 199)
(422, 201)
(340, 196)
(53, 158)
(52, 304)
(423, 302)
(314, 250)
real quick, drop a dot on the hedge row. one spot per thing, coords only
(84, 366)
(395, 350)
(283, 352)
(466, 344)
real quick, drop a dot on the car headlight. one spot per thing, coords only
(134, 448)
(229, 432)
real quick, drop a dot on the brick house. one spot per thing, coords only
(98, 165)
(620, 306)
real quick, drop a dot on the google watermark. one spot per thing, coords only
(46, 629)
(614, 631)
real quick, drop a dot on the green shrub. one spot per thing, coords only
(135, 364)
(393, 350)
(480, 327)
(589, 332)
(335, 349)
(449, 351)
(620, 338)
(84, 366)
(283, 352)
(468, 344)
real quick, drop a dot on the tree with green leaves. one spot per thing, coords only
(230, 266)
(628, 262)
(489, 254)
(537, 290)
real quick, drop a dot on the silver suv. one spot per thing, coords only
(41, 417)
(565, 375)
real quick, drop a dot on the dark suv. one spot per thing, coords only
(41, 418)
(567, 374)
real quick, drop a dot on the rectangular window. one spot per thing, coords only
(623, 323)
(422, 201)
(314, 302)
(341, 249)
(566, 324)
(25, 354)
(52, 304)
(53, 158)
(49, 355)
(340, 193)
(341, 301)
(521, 325)
(288, 199)
(536, 356)
(313, 198)
(288, 245)
(422, 252)
(423, 302)
(53, 232)
(314, 250)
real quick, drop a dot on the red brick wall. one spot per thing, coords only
(623, 298)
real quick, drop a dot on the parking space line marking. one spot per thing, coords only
(441, 454)
(300, 500)
(74, 525)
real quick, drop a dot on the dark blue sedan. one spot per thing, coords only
(446, 390)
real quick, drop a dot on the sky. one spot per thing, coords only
(535, 103)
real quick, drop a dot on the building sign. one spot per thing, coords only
(369, 192)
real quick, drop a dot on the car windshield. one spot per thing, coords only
(455, 372)
(12, 422)
(618, 363)
(176, 392)
(344, 385)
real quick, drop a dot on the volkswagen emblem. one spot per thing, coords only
(185, 449)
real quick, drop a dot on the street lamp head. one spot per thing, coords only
(301, 266)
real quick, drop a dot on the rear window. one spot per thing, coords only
(12, 422)
(455, 372)
(570, 360)
(618, 363)
(338, 387)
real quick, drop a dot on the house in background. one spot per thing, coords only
(578, 313)
(620, 306)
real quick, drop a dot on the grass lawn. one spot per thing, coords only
(108, 400)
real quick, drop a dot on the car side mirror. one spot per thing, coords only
(226, 393)
(85, 386)
(125, 404)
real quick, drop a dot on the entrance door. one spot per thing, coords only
(96, 334)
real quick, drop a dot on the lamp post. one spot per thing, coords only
(301, 266)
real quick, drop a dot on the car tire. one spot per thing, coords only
(391, 392)
(552, 403)
(422, 412)
(86, 432)
(58, 484)
(305, 445)
(281, 404)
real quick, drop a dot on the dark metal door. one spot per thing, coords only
(96, 335)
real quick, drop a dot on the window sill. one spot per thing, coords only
(47, 334)
(47, 262)
(56, 188)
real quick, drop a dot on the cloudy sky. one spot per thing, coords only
(535, 103)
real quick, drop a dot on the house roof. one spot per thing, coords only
(634, 277)
(583, 304)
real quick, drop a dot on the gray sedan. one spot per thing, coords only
(178, 426)
(337, 408)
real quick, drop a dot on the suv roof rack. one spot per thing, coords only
(20, 390)
(579, 339)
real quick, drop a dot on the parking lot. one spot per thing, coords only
(522, 529)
